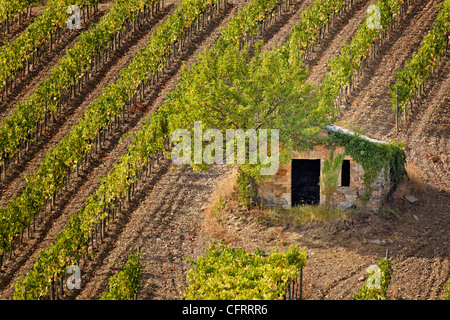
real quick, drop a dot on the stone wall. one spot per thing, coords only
(276, 191)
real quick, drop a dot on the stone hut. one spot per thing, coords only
(298, 182)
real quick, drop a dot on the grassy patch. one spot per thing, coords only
(387, 213)
(302, 214)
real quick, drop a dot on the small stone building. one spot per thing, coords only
(298, 182)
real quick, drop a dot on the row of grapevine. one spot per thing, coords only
(233, 274)
(70, 244)
(15, 55)
(93, 48)
(353, 57)
(377, 282)
(123, 285)
(10, 10)
(411, 78)
(110, 197)
(315, 22)
(251, 22)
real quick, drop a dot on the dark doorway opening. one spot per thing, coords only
(345, 173)
(305, 187)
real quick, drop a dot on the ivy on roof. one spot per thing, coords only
(373, 155)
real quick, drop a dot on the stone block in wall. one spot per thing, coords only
(279, 189)
(375, 194)
(286, 200)
(268, 200)
(350, 201)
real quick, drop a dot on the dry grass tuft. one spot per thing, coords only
(301, 214)
(217, 201)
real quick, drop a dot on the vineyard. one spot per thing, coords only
(87, 113)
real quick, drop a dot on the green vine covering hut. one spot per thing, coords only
(345, 170)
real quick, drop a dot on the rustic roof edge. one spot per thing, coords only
(336, 128)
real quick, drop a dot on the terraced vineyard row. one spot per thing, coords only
(417, 69)
(16, 56)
